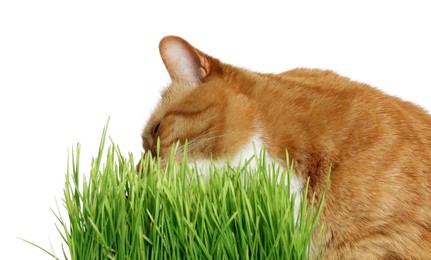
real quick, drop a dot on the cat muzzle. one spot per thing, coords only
(140, 164)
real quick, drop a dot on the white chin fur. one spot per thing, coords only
(246, 153)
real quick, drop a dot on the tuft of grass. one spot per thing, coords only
(175, 212)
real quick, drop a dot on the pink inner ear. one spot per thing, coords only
(181, 60)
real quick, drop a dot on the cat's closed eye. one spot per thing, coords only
(156, 129)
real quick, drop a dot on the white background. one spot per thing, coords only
(66, 66)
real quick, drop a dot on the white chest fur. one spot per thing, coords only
(254, 147)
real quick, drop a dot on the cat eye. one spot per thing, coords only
(156, 129)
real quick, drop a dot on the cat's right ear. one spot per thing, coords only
(183, 62)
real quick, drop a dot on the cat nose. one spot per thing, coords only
(138, 166)
(152, 150)
(140, 170)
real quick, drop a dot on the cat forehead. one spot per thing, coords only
(176, 91)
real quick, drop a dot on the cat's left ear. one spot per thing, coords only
(183, 62)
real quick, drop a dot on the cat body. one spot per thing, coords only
(377, 147)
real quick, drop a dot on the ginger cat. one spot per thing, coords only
(378, 204)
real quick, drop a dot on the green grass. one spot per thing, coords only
(176, 213)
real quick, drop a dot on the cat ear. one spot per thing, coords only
(183, 62)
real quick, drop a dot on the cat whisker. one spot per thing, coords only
(200, 139)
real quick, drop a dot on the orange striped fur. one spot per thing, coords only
(378, 205)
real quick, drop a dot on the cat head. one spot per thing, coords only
(206, 105)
